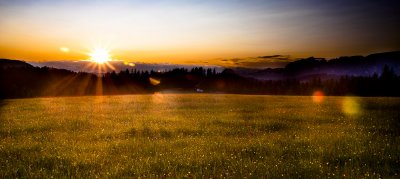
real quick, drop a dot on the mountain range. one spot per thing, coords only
(309, 68)
(372, 75)
(115, 65)
(302, 69)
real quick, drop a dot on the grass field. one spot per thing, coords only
(200, 135)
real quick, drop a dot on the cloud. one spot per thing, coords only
(276, 57)
(260, 62)
(270, 56)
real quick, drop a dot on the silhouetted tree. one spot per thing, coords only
(19, 79)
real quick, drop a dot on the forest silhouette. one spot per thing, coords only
(19, 79)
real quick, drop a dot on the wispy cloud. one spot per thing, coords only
(260, 62)
(276, 57)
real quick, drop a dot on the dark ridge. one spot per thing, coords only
(373, 75)
(6, 63)
(330, 69)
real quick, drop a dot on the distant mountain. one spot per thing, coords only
(91, 67)
(309, 68)
(20, 79)
(374, 75)
(6, 64)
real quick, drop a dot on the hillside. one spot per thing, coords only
(309, 68)
(6, 64)
(373, 75)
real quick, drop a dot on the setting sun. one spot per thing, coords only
(199, 88)
(100, 55)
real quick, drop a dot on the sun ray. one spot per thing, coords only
(100, 55)
(100, 59)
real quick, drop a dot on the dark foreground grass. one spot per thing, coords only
(200, 135)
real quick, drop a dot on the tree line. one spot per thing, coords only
(27, 81)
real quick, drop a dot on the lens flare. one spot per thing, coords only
(318, 96)
(64, 49)
(157, 98)
(129, 64)
(351, 106)
(154, 81)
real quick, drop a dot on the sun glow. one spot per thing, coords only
(100, 55)
(64, 49)
(100, 59)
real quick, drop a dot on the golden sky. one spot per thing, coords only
(194, 31)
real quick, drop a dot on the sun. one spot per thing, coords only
(100, 55)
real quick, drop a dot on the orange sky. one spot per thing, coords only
(189, 31)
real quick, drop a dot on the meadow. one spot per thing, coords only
(200, 135)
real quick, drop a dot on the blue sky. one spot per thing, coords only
(198, 30)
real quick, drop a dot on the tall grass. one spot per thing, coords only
(199, 135)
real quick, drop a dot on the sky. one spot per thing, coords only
(197, 31)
